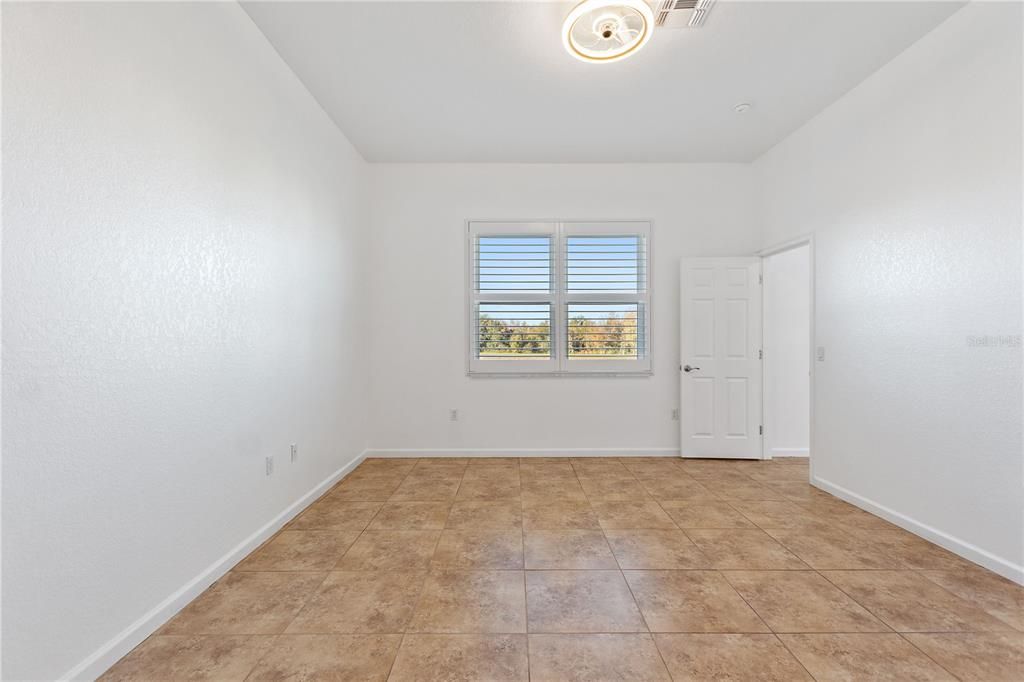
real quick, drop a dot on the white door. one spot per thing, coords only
(720, 357)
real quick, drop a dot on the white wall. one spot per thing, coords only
(184, 234)
(787, 348)
(912, 186)
(418, 288)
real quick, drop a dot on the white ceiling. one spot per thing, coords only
(491, 82)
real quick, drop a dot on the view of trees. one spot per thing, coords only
(612, 335)
(513, 337)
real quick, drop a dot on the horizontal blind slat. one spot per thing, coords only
(603, 263)
(513, 263)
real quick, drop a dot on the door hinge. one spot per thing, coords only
(760, 279)
(760, 430)
(760, 354)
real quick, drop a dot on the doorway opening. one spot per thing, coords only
(788, 339)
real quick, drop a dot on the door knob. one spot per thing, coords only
(687, 368)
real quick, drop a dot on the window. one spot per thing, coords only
(559, 298)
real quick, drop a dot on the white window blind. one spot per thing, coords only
(559, 298)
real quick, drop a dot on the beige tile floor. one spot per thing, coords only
(590, 569)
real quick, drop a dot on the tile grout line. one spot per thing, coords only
(526, 601)
(361, 533)
(770, 628)
(886, 624)
(429, 569)
(260, 659)
(375, 514)
(401, 642)
(790, 652)
(629, 587)
(902, 636)
(398, 651)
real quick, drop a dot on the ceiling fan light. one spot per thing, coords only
(605, 31)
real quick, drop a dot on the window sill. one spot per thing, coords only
(559, 375)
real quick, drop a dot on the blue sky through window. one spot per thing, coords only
(593, 264)
(514, 263)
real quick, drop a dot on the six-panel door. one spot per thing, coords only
(720, 338)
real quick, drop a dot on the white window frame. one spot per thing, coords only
(559, 364)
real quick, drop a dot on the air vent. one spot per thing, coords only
(683, 13)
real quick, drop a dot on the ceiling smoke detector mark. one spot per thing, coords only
(682, 13)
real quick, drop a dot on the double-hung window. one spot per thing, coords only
(559, 298)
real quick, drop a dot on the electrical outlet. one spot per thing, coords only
(675, 414)
(453, 415)
(821, 353)
(270, 465)
(295, 452)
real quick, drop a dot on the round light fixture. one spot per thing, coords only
(607, 30)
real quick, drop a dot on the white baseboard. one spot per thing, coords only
(527, 452)
(107, 655)
(996, 564)
(789, 452)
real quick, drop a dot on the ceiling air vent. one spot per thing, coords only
(682, 13)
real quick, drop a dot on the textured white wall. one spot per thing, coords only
(912, 186)
(787, 347)
(184, 234)
(418, 286)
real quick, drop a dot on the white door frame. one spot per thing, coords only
(796, 242)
